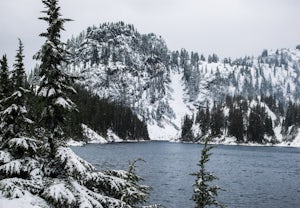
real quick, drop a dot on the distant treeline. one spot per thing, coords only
(246, 120)
(101, 115)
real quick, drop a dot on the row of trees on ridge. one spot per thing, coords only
(247, 121)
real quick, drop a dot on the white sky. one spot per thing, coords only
(227, 27)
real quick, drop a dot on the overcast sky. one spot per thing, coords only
(227, 27)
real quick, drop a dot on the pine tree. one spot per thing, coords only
(54, 83)
(290, 116)
(186, 132)
(216, 120)
(204, 193)
(236, 125)
(5, 85)
(203, 118)
(14, 120)
(19, 75)
(95, 56)
(256, 128)
(132, 194)
(18, 165)
(205, 123)
(269, 126)
(215, 58)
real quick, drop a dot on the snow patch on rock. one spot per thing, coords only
(92, 136)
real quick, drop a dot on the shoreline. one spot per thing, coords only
(72, 143)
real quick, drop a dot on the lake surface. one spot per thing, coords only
(263, 177)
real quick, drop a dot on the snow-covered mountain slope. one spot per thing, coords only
(274, 74)
(116, 62)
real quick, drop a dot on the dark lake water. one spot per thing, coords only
(263, 177)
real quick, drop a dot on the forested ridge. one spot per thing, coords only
(167, 88)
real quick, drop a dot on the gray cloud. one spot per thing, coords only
(226, 27)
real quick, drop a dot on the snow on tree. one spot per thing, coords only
(14, 120)
(39, 166)
(204, 193)
(54, 83)
(19, 76)
(18, 163)
(4, 85)
(4, 79)
(135, 193)
(77, 185)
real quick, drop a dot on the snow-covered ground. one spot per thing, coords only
(112, 137)
(294, 143)
(91, 135)
(170, 129)
(94, 138)
(72, 142)
(27, 201)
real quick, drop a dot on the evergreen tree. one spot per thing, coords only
(256, 128)
(269, 126)
(264, 53)
(204, 193)
(174, 58)
(54, 83)
(215, 58)
(236, 126)
(200, 115)
(18, 162)
(206, 121)
(19, 76)
(203, 118)
(95, 56)
(291, 115)
(14, 120)
(5, 85)
(33, 77)
(132, 195)
(216, 120)
(186, 132)
(209, 59)
(202, 58)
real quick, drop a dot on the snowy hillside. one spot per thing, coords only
(161, 86)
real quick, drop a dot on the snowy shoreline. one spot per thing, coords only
(94, 138)
(286, 145)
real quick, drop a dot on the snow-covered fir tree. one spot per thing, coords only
(132, 194)
(19, 78)
(4, 84)
(54, 83)
(18, 162)
(14, 121)
(4, 78)
(204, 192)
